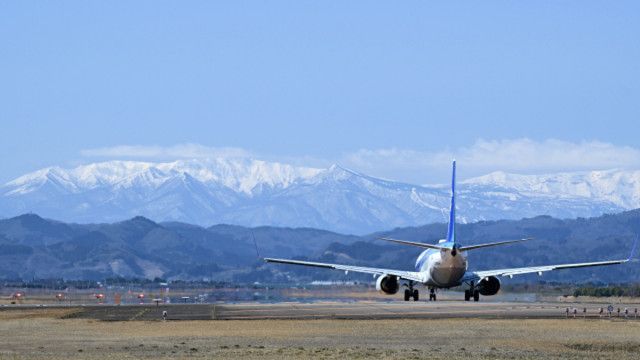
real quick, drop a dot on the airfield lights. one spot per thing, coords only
(157, 301)
(60, 297)
(100, 298)
(17, 297)
(141, 298)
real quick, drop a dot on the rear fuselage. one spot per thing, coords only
(442, 268)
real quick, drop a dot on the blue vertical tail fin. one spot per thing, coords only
(451, 231)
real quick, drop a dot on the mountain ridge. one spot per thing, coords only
(35, 247)
(253, 193)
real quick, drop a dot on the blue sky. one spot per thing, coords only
(385, 88)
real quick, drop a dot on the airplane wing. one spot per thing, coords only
(406, 275)
(478, 275)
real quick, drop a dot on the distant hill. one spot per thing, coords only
(258, 193)
(31, 246)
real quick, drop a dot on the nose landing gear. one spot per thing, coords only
(432, 294)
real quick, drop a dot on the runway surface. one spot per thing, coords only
(345, 310)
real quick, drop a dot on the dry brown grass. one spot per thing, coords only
(41, 334)
(596, 300)
(35, 314)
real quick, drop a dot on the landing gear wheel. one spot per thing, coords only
(476, 295)
(416, 295)
(467, 295)
(432, 294)
(407, 295)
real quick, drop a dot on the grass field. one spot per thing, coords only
(38, 334)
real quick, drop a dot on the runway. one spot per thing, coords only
(345, 310)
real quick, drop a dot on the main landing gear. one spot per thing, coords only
(410, 292)
(472, 292)
(432, 294)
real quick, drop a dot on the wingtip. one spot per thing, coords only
(633, 249)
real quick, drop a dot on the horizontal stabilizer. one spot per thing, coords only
(479, 246)
(415, 243)
(461, 248)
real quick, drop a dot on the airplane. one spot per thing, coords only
(444, 265)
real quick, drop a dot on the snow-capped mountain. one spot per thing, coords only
(239, 175)
(252, 193)
(621, 188)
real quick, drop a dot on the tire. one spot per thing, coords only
(416, 295)
(407, 295)
(434, 297)
(476, 295)
(467, 295)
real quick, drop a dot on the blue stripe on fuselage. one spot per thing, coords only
(423, 258)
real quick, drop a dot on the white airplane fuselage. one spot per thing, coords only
(443, 269)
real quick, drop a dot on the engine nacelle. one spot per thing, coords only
(489, 286)
(387, 284)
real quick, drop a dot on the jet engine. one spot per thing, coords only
(387, 284)
(489, 286)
